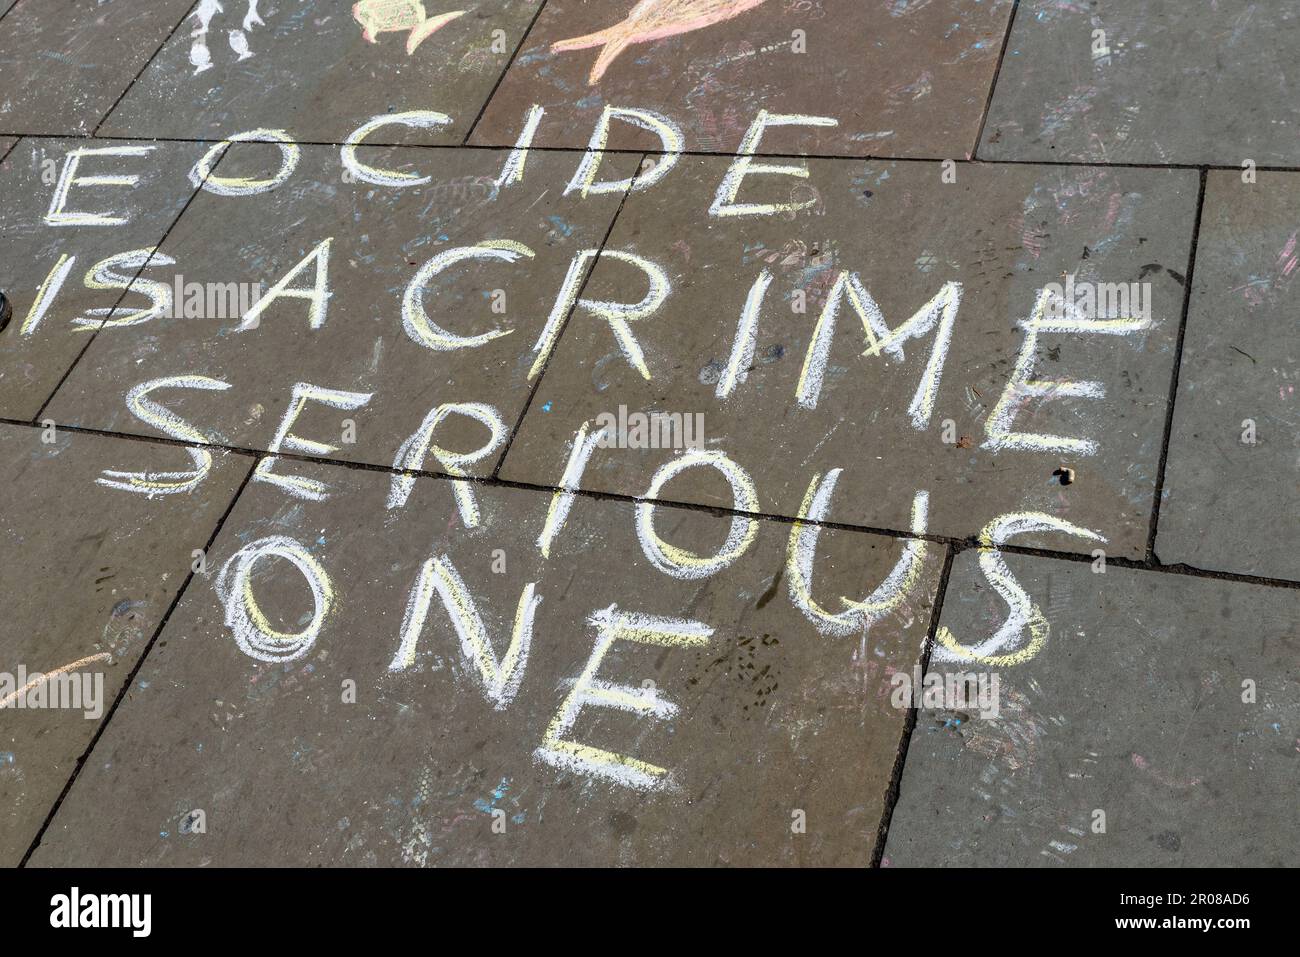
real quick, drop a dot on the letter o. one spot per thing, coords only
(253, 633)
(201, 175)
(678, 562)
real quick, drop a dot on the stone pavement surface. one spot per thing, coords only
(69, 253)
(667, 432)
(748, 722)
(65, 64)
(1162, 81)
(308, 67)
(92, 576)
(1143, 729)
(380, 249)
(809, 398)
(900, 78)
(1237, 419)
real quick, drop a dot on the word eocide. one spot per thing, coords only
(307, 286)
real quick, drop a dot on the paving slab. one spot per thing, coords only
(797, 396)
(900, 78)
(358, 374)
(6, 144)
(57, 238)
(1232, 495)
(717, 715)
(64, 63)
(1149, 711)
(320, 69)
(1158, 82)
(89, 571)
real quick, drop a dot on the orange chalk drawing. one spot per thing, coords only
(40, 679)
(394, 16)
(653, 20)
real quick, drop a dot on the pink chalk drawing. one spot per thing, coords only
(652, 20)
(395, 16)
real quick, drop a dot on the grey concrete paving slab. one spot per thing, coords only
(648, 718)
(759, 330)
(1232, 485)
(76, 224)
(64, 63)
(88, 571)
(1150, 729)
(899, 78)
(6, 144)
(431, 299)
(319, 69)
(1162, 81)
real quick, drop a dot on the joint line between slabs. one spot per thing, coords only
(892, 793)
(997, 72)
(153, 56)
(764, 154)
(958, 543)
(1174, 375)
(36, 419)
(501, 78)
(10, 10)
(559, 334)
